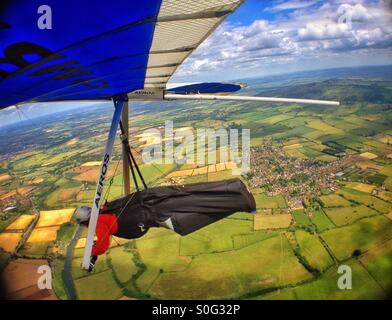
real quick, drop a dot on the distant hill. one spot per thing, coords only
(382, 72)
(347, 91)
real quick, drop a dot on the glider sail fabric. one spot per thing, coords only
(94, 50)
(207, 88)
(98, 50)
(184, 209)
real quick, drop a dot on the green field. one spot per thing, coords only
(387, 171)
(348, 215)
(98, 286)
(321, 221)
(65, 232)
(37, 249)
(388, 183)
(313, 250)
(360, 235)
(366, 199)
(6, 222)
(276, 119)
(162, 253)
(147, 279)
(333, 200)
(269, 202)
(364, 287)
(77, 272)
(241, 241)
(249, 269)
(378, 262)
(122, 264)
(302, 219)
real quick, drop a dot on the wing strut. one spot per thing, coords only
(171, 96)
(126, 164)
(119, 103)
(131, 159)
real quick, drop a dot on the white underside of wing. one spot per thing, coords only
(182, 26)
(248, 98)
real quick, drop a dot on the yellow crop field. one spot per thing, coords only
(204, 170)
(69, 194)
(231, 165)
(8, 195)
(199, 171)
(324, 127)
(272, 221)
(119, 241)
(326, 157)
(89, 176)
(385, 195)
(92, 174)
(91, 164)
(149, 138)
(43, 234)
(181, 173)
(334, 200)
(72, 142)
(293, 146)
(146, 134)
(364, 187)
(38, 180)
(220, 167)
(369, 165)
(21, 223)
(81, 243)
(183, 129)
(9, 240)
(291, 141)
(211, 168)
(54, 217)
(5, 177)
(25, 190)
(368, 155)
(295, 153)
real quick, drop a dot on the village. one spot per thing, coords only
(294, 178)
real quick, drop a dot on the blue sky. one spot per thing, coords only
(274, 37)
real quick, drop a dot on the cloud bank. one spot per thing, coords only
(300, 35)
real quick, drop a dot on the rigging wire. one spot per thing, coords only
(171, 180)
(107, 193)
(19, 108)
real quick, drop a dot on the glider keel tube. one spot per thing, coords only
(169, 96)
(118, 104)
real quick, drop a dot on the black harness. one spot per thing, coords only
(132, 220)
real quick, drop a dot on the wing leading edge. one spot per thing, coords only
(86, 56)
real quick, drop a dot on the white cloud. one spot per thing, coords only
(290, 5)
(323, 31)
(309, 33)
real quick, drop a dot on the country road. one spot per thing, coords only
(67, 273)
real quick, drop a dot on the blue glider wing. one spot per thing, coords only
(207, 88)
(96, 50)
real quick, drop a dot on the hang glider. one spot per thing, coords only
(86, 56)
(117, 50)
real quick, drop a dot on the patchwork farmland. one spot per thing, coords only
(322, 181)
